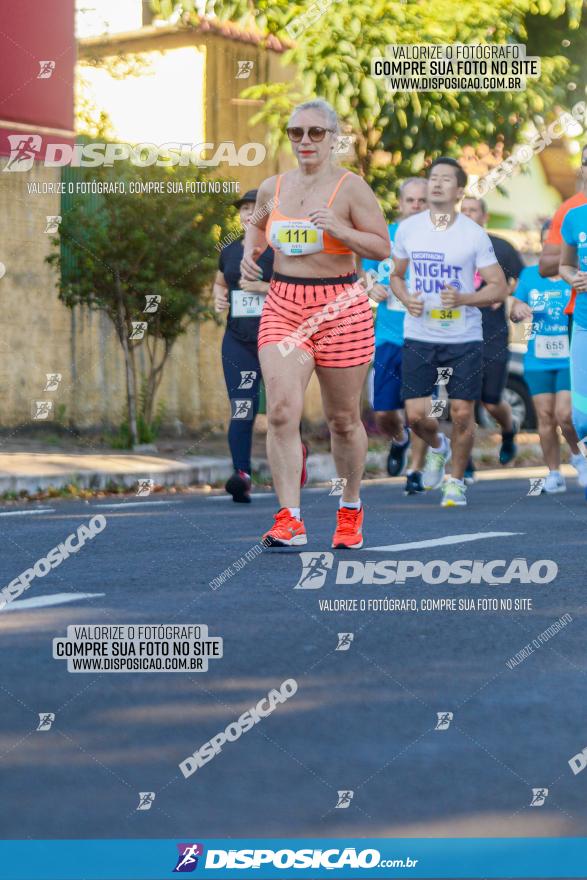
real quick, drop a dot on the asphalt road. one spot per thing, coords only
(362, 719)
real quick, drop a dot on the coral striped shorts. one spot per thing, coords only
(328, 318)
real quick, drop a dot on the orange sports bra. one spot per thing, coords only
(297, 236)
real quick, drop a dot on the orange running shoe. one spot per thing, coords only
(348, 534)
(287, 531)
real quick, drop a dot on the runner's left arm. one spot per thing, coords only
(368, 236)
(569, 270)
(495, 289)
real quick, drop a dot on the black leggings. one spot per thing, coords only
(242, 374)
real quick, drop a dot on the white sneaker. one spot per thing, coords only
(454, 494)
(580, 465)
(436, 462)
(554, 483)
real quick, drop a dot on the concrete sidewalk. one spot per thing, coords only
(38, 471)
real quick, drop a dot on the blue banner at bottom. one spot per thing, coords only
(224, 859)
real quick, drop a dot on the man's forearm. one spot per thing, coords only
(487, 295)
(400, 288)
(568, 274)
(548, 265)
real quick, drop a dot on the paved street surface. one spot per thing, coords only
(362, 720)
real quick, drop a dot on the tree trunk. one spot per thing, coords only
(131, 393)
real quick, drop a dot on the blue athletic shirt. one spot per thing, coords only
(574, 232)
(547, 298)
(389, 325)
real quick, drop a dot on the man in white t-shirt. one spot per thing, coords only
(443, 328)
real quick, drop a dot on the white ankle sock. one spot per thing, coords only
(354, 505)
(443, 444)
(294, 511)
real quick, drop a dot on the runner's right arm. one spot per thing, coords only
(255, 243)
(413, 303)
(220, 293)
(549, 260)
(550, 257)
(520, 310)
(568, 268)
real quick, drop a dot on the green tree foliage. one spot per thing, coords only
(119, 248)
(397, 133)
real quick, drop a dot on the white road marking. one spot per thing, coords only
(135, 503)
(27, 512)
(439, 542)
(43, 601)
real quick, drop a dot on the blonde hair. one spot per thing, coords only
(323, 107)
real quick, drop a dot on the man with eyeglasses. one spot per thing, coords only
(551, 252)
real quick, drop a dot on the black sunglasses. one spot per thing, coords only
(315, 132)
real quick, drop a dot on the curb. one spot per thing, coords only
(185, 472)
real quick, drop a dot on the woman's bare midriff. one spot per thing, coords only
(314, 265)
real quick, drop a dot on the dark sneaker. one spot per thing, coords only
(508, 450)
(239, 486)
(414, 485)
(398, 455)
(469, 475)
(304, 477)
